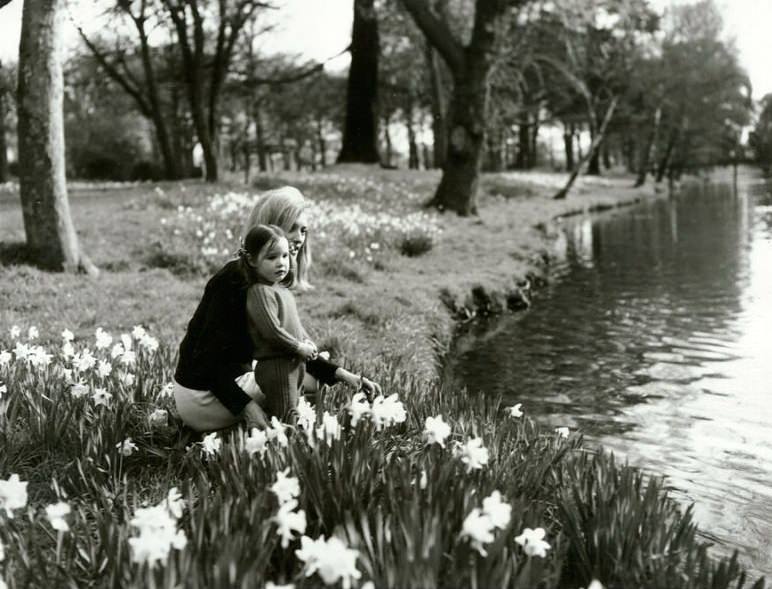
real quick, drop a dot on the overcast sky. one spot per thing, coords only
(321, 28)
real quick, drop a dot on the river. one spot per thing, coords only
(654, 340)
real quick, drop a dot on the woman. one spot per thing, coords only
(214, 383)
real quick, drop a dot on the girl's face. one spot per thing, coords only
(273, 262)
(297, 234)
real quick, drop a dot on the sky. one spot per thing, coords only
(319, 29)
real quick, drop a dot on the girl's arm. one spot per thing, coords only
(263, 311)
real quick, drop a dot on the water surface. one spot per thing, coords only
(654, 339)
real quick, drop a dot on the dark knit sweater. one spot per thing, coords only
(217, 347)
(273, 322)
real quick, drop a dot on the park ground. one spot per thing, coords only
(392, 280)
(382, 292)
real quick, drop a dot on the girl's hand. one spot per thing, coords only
(254, 416)
(307, 351)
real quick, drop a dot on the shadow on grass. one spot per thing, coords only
(18, 254)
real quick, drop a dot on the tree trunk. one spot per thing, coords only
(360, 133)
(387, 141)
(460, 178)
(51, 236)
(643, 164)
(593, 167)
(3, 144)
(262, 158)
(439, 106)
(321, 142)
(412, 162)
(533, 152)
(593, 149)
(523, 142)
(568, 145)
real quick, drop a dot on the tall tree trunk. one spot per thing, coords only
(533, 152)
(523, 141)
(568, 145)
(643, 164)
(412, 162)
(562, 193)
(321, 142)
(3, 144)
(593, 166)
(439, 107)
(664, 162)
(360, 132)
(51, 236)
(262, 157)
(387, 140)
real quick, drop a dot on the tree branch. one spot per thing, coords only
(437, 33)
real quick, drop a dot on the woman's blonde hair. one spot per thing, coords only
(282, 207)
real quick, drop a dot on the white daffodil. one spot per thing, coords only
(562, 432)
(329, 429)
(22, 351)
(128, 358)
(158, 417)
(332, 560)
(5, 358)
(436, 430)
(104, 368)
(117, 351)
(138, 332)
(276, 432)
(79, 389)
(158, 532)
(498, 511)
(359, 407)
(103, 339)
(211, 444)
(32, 333)
(533, 542)
(56, 513)
(473, 454)
(67, 335)
(306, 414)
(126, 341)
(127, 447)
(285, 488)
(256, 442)
(167, 390)
(515, 410)
(128, 379)
(289, 521)
(478, 527)
(15, 331)
(13, 494)
(101, 397)
(423, 481)
(68, 350)
(387, 411)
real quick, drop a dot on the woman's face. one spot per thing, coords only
(297, 234)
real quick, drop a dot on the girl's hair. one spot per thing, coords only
(260, 238)
(282, 207)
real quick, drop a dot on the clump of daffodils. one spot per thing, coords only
(383, 411)
(157, 531)
(331, 559)
(479, 526)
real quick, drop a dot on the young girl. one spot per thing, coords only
(281, 345)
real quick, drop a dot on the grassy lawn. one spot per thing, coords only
(419, 505)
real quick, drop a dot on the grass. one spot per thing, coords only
(380, 310)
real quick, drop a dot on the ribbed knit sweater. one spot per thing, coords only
(273, 322)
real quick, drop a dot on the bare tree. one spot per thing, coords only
(51, 236)
(205, 68)
(470, 66)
